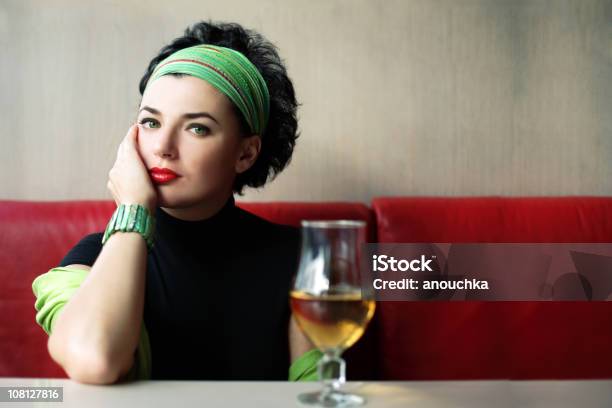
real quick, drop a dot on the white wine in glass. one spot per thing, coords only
(329, 303)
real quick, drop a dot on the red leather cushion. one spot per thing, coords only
(489, 340)
(34, 236)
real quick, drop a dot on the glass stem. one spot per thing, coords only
(332, 372)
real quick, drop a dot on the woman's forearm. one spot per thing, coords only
(95, 335)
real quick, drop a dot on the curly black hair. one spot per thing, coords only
(278, 140)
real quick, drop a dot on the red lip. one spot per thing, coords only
(162, 175)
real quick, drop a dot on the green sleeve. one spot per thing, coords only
(305, 367)
(55, 288)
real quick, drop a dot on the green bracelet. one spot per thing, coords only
(131, 217)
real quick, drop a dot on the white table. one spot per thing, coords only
(421, 394)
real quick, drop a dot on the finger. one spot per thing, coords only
(127, 141)
(132, 136)
(129, 134)
(137, 141)
(121, 150)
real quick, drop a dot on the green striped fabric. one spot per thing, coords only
(230, 72)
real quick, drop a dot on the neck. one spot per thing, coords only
(200, 211)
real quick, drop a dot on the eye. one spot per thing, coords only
(200, 129)
(149, 120)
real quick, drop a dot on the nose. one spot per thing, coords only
(165, 144)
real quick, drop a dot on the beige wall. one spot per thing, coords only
(454, 97)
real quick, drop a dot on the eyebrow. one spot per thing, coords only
(186, 115)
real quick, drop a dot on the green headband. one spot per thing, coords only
(228, 71)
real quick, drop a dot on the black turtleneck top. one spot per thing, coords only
(217, 295)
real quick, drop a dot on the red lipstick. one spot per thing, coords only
(162, 175)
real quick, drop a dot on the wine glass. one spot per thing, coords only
(329, 303)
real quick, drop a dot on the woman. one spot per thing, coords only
(183, 284)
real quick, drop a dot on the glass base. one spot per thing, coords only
(331, 399)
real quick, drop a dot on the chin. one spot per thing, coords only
(169, 200)
(178, 202)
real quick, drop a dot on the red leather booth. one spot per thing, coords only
(494, 340)
(406, 340)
